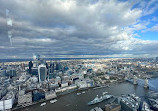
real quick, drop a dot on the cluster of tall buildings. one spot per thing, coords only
(38, 68)
(44, 71)
(28, 82)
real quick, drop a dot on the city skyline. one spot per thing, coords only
(79, 28)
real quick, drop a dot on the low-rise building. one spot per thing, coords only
(64, 84)
(25, 99)
(6, 103)
(112, 107)
(50, 95)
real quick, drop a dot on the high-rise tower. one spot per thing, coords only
(42, 72)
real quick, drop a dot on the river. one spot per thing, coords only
(74, 102)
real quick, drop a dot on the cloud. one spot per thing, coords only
(150, 7)
(74, 27)
(154, 19)
(152, 29)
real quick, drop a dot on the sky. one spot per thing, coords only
(78, 28)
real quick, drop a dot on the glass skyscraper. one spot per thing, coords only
(42, 72)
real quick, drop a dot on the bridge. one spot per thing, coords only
(141, 82)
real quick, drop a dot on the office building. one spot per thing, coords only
(30, 67)
(51, 69)
(11, 72)
(34, 71)
(42, 72)
(25, 99)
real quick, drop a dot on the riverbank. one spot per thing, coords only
(74, 102)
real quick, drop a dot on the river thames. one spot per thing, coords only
(74, 102)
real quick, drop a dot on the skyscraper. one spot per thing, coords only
(52, 71)
(51, 67)
(30, 67)
(42, 72)
(36, 60)
(58, 66)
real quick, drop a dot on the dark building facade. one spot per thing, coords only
(30, 67)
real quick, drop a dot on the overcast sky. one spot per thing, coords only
(59, 28)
